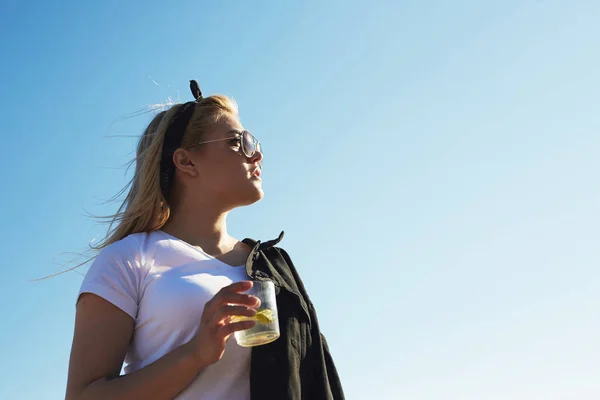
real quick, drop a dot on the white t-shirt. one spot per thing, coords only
(163, 283)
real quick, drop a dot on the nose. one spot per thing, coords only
(257, 157)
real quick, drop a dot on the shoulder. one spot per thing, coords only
(128, 253)
(271, 249)
(117, 272)
(128, 247)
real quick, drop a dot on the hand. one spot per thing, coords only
(208, 345)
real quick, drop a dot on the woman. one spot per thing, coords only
(160, 293)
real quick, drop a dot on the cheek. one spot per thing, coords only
(225, 174)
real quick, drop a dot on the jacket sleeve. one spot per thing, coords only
(331, 374)
(334, 379)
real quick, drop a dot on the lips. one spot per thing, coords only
(256, 173)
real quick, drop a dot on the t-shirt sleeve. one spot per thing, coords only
(115, 275)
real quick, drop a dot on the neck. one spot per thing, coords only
(200, 225)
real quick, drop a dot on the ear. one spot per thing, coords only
(184, 163)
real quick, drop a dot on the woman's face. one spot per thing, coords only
(220, 170)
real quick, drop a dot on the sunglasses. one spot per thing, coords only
(249, 144)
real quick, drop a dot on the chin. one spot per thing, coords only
(252, 196)
(258, 195)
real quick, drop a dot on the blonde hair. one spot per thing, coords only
(144, 208)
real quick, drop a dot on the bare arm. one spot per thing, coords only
(103, 332)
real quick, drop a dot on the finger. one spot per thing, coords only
(238, 287)
(228, 329)
(237, 298)
(226, 311)
(230, 298)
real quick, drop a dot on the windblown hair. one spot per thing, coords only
(144, 208)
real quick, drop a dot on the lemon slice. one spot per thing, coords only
(264, 316)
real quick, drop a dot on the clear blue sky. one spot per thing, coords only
(434, 165)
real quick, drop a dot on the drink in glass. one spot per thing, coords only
(266, 329)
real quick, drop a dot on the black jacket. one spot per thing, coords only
(298, 365)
